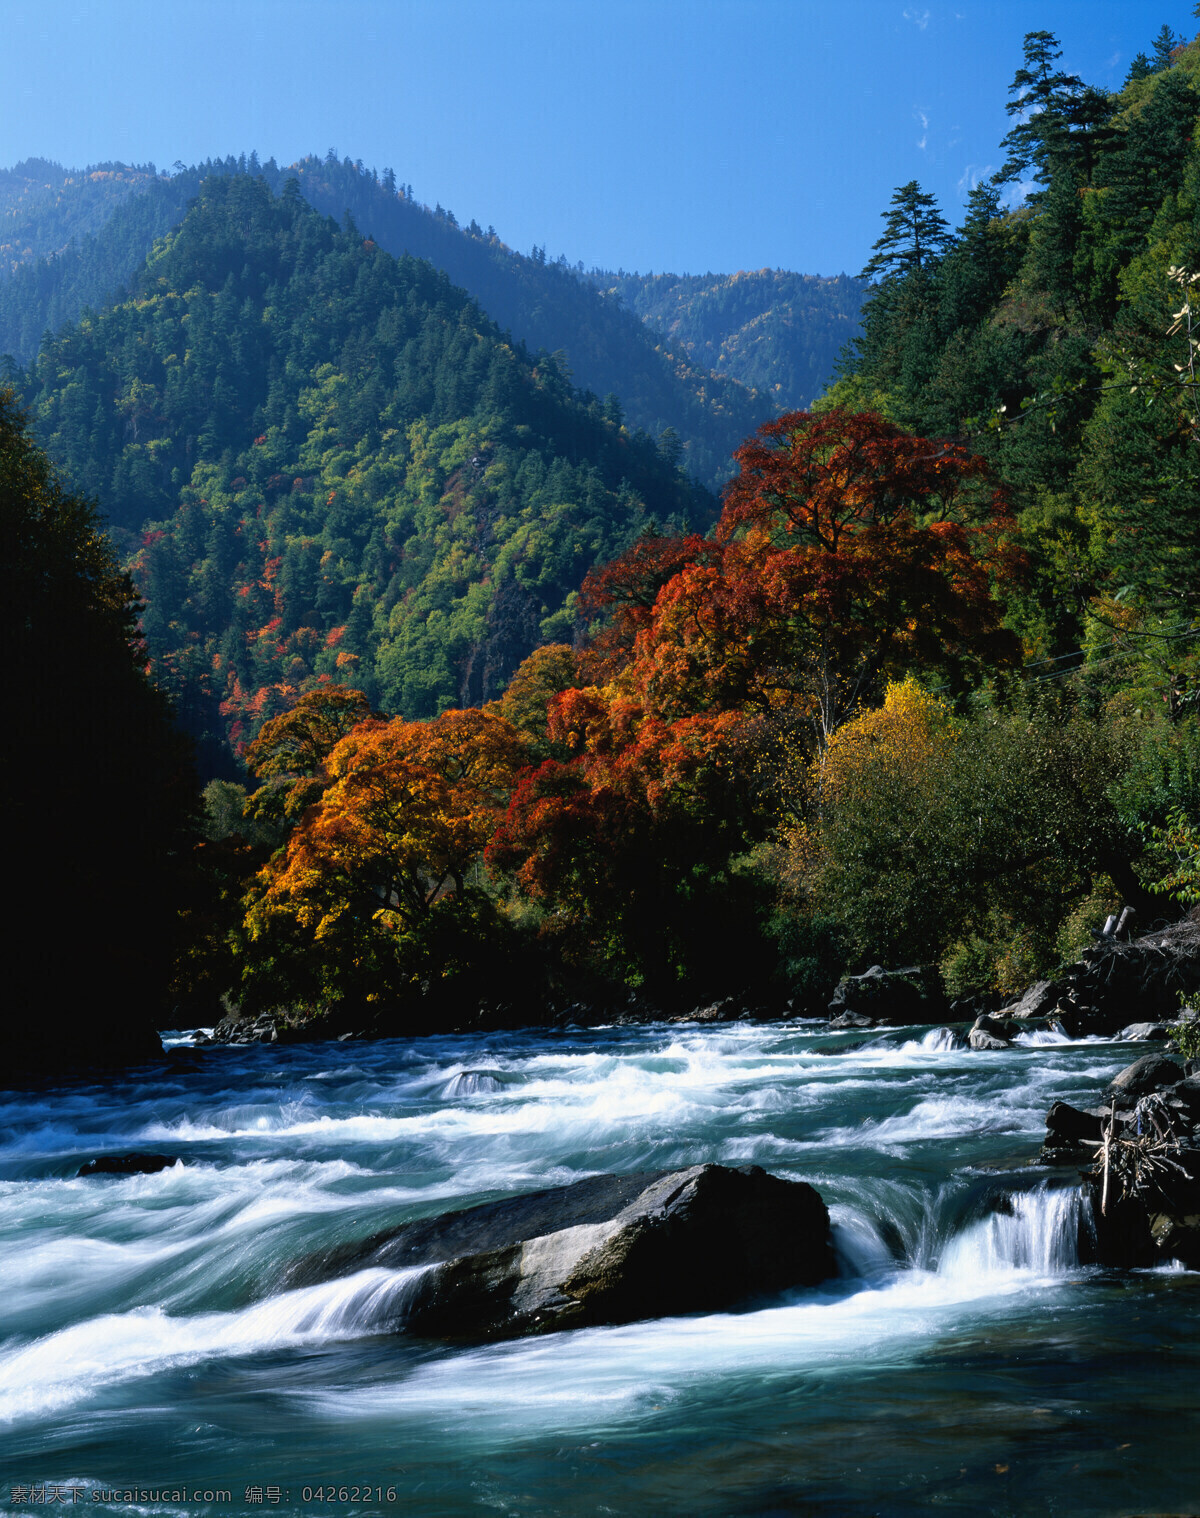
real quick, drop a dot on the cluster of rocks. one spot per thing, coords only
(1148, 1128)
(608, 1249)
(305, 1026)
(1115, 985)
(1116, 989)
(278, 1028)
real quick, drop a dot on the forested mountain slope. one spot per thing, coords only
(605, 348)
(777, 332)
(600, 346)
(43, 206)
(327, 462)
(1057, 340)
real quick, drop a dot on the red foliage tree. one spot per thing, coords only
(847, 552)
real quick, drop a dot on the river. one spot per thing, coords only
(965, 1361)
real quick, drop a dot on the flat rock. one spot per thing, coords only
(1143, 1033)
(609, 1249)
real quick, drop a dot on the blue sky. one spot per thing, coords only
(682, 135)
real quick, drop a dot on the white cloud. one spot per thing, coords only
(972, 176)
(1015, 195)
(918, 18)
(919, 115)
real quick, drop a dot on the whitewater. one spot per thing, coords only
(964, 1360)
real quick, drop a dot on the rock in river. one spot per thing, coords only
(609, 1249)
(128, 1164)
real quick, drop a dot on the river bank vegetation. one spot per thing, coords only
(505, 715)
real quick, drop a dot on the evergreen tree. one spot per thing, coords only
(915, 233)
(1041, 97)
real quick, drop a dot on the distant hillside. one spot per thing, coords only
(776, 332)
(328, 463)
(43, 206)
(602, 346)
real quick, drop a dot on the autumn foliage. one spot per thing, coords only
(847, 552)
(617, 787)
(406, 809)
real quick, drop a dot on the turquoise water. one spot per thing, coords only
(963, 1362)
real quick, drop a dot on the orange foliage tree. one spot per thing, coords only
(404, 811)
(290, 751)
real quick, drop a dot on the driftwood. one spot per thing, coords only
(1138, 1160)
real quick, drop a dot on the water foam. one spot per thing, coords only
(65, 1367)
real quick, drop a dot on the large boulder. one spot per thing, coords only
(914, 994)
(1072, 1136)
(1150, 1073)
(1036, 1003)
(609, 1249)
(991, 1033)
(1144, 1033)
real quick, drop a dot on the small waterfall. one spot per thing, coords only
(940, 1040)
(64, 1367)
(1039, 1038)
(859, 1245)
(1036, 1231)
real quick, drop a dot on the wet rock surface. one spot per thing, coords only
(609, 1249)
(992, 1033)
(1140, 1154)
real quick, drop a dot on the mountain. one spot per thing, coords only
(600, 345)
(44, 206)
(776, 332)
(324, 462)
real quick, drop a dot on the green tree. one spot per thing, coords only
(915, 232)
(1041, 98)
(100, 786)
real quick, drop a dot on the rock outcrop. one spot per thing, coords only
(914, 994)
(609, 1249)
(991, 1033)
(1114, 986)
(1142, 1153)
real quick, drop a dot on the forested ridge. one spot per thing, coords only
(43, 206)
(80, 250)
(323, 460)
(779, 333)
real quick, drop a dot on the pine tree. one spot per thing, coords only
(1041, 95)
(915, 233)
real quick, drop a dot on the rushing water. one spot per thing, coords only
(963, 1362)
